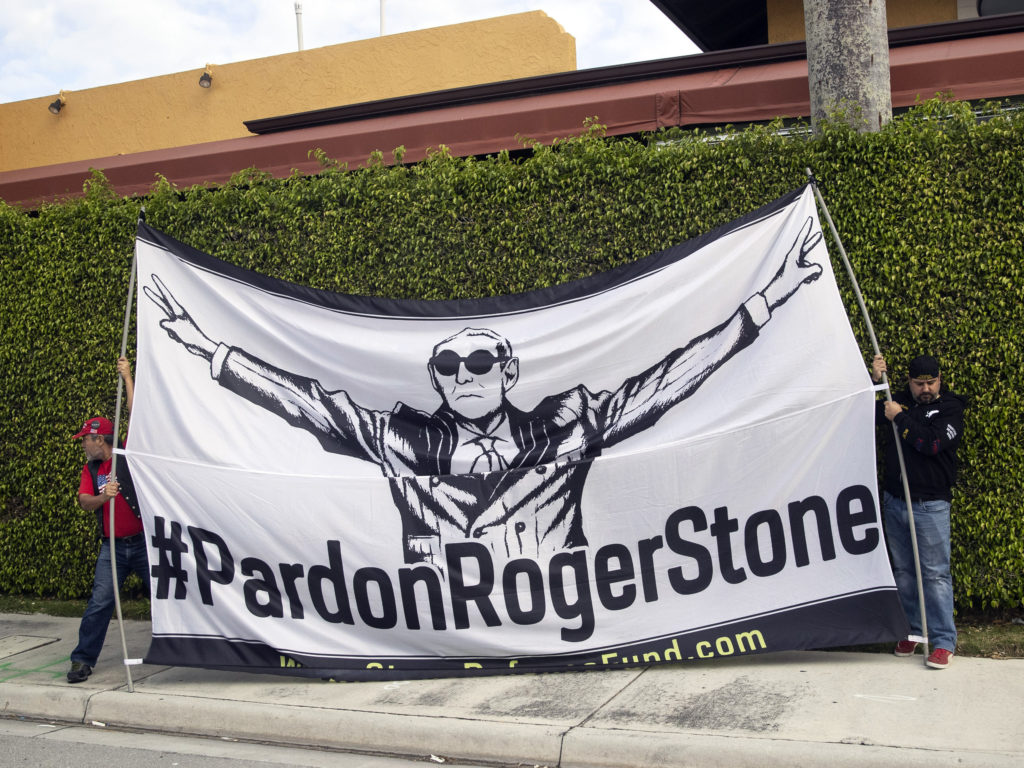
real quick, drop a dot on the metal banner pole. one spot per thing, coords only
(113, 468)
(888, 397)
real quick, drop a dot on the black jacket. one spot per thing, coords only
(930, 435)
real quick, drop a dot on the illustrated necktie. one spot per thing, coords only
(489, 459)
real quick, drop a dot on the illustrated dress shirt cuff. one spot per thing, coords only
(217, 361)
(757, 308)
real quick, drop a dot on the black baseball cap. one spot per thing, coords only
(924, 368)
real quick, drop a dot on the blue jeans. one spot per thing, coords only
(931, 522)
(131, 556)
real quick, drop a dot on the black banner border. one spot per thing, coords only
(868, 616)
(374, 306)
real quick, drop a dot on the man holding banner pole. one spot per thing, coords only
(928, 419)
(96, 489)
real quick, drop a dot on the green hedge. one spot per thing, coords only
(930, 211)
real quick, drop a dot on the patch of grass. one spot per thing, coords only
(1001, 638)
(131, 607)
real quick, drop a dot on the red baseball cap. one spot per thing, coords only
(95, 426)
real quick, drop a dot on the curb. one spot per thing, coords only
(45, 702)
(287, 725)
(352, 730)
(608, 748)
(460, 738)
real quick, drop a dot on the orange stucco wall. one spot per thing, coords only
(786, 17)
(172, 110)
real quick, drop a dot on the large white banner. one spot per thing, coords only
(670, 460)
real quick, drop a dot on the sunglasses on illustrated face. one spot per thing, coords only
(477, 362)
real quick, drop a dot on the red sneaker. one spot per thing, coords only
(939, 658)
(905, 648)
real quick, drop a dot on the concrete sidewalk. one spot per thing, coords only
(807, 708)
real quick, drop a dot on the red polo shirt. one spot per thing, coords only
(125, 521)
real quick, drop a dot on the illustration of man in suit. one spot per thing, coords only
(478, 467)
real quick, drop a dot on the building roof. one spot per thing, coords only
(982, 58)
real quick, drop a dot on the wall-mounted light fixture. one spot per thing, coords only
(58, 103)
(206, 79)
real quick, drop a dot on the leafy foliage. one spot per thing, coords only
(929, 211)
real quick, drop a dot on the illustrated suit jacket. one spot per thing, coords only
(534, 507)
